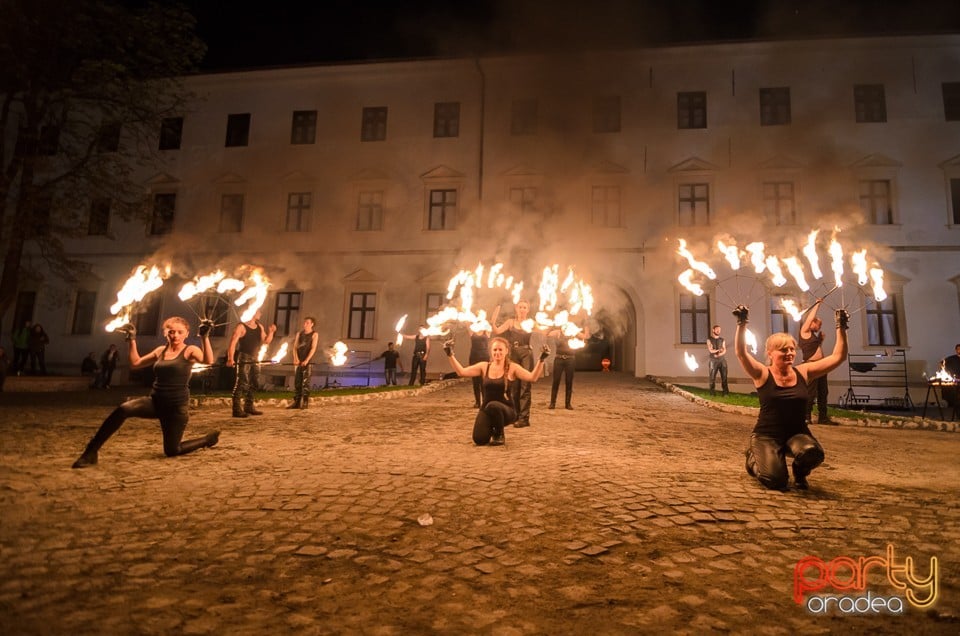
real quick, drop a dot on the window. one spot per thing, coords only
(83, 308)
(443, 210)
(303, 130)
(108, 137)
(955, 200)
(363, 311)
(951, 101)
(694, 204)
(524, 198)
(99, 221)
(164, 208)
(49, 140)
(147, 317)
(218, 310)
(694, 318)
(605, 206)
(373, 126)
(446, 119)
(606, 114)
(882, 326)
(692, 110)
(434, 302)
(779, 320)
(231, 213)
(774, 106)
(298, 211)
(171, 133)
(370, 210)
(875, 201)
(523, 117)
(288, 312)
(869, 103)
(778, 203)
(238, 130)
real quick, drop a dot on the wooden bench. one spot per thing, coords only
(877, 371)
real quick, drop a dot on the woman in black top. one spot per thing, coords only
(168, 402)
(479, 352)
(782, 388)
(497, 410)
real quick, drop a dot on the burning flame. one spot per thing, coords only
(731, 253)
(685, 280)
(836, 260)
(776, 274)
(810, 251)
(691, 361)
(943, 376)
(399, 328)
(699, 266)
(281, 353)
(338, 355)
(262, 353)
(200, 284)
(141, 282)
(757, 258)
(876, 274)
(750, 340)
(796, 270)
(791, 308)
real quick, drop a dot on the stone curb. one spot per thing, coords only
(317, 398)
(908, 423)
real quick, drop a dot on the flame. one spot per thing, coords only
(254, 295)
(691, 361)
(876, 274)
(281, 353)
(791, 307)
(810, 251)
(796, 270)
(261, 353)
(685, 280)
(576, 343)
(699, 266)
(549, 282)
(200, 284)
(944, 376)
(731, 253)
(836, 260)
(399, 328)
(858, 263)
(750, 340)
(757, 258)
(776, 274)
(338, 354)
(140, 283)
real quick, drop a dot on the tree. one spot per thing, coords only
(85, 86)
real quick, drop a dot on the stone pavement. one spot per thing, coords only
(631, 514)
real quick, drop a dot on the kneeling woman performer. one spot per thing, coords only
(496, 411)
(168, 402)
(781, 428)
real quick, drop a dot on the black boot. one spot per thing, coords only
(305, 403)
(498, 438)
(208, 440)
(237, 409)
(295, 404)
(250, 409)
(89, 458)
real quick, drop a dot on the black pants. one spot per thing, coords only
(173, 422)
(38, 358)
(562, 365)
(767, 458)
(418, 363)
(491, 419)
(818, 394)
(477, 380)
(20, 357)
(718, 365)
(301, 382)
(520, 389)
(248, 378)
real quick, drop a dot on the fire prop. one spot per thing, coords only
(141, 282)
(338, 354)
(573, 294)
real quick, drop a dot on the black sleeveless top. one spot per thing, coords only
(494, 389)
(563, 346)
(479, 347)
(249, 343)
(305, 344)
(783, 410)
(519, 336)
(419, 344)
(171, 379)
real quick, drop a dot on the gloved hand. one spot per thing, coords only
(206, 325)
(742, 314)
(843, 318)
(544, 353)
(129, 331)
(448, 348)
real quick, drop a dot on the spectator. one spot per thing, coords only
(21, 347)
(38, 346)
(89, 365)
(108, 364)
(391, 358)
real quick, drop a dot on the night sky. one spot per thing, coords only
(248, 34)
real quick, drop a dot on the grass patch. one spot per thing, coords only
(288, 395)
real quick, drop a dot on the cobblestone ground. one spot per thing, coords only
(631, 514)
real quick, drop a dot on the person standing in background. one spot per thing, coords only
(479, 352)
(810, 343)
(304, 347)
(21, 347)
(391, 358)
(243, 350)
(38, 349)
(718, 360)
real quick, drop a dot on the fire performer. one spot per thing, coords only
(391, 358)
(421, 351)
(243, 351)
(717, 348)
(811, 345)
(782, 388)
(497, 410)
(168, 402)
(304, 346)
(564, 363)
(521, 353)
(479, 352)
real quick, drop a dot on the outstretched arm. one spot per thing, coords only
(753, 368)
(464, 372)
(537, 373)
(811, 314)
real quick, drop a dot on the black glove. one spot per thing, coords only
(448, 348)
(206, 325)
(742, 314)
(129, 331)
(843, 318)
(544, 353)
